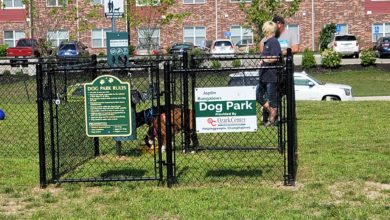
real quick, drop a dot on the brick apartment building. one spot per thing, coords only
(208, 20)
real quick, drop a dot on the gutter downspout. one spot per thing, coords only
(77, 21)
(216, 19)
(312, 25)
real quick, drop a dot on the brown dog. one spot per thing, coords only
(177, 117)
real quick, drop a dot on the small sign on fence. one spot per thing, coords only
(226, 109)
(107, 107)
(117, 48)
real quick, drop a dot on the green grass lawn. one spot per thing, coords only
(367, 82)
(343, 173)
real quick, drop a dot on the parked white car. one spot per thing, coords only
(309, 88)
(222, 47)
(346, 45)
(306, 86)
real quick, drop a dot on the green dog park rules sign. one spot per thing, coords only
(226, 109)
(107, 107)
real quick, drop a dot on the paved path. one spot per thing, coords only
(344, 61)
(372, 98)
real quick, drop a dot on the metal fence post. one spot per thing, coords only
(41, 125)
(291, 122)
(186, 117)
(168, 126)
(193, 85)
(94, 75)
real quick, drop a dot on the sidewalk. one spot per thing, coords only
(372, 98)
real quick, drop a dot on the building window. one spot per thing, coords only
(56, 3)
(147, 2)
(12, 4)
(58, 36)
(193, 1)
(342, 28)
(11, 37)
(380, 30)
(98, 2)
(239, 33)
(149, 36)
(99, 37)
(195, 35)
(294, 30)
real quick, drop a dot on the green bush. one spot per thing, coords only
(330, 58)
(215, 64)
(3, 50)
(6, 73)
(19, 72)
(236, 63)
(197, 53)
(131, 49)
(308, 60)
(368, 57)
(252, 51)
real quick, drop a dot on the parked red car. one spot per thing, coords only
(25, 48)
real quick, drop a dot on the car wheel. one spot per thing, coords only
(356, 55)
(331, 98)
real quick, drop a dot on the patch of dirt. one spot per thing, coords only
(374, 190)
(14, 206)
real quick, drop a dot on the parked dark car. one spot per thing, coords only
(72, 49)
(179, 48)
(383, 46)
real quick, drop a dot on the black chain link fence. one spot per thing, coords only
(50, 115)
(18, 110)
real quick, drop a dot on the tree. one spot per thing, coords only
(65, 14)
(260, 11)
(150, 17)
(326, 36)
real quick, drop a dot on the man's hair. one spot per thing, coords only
(278, 20)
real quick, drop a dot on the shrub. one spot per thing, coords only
(252, 51)
(368, 57)
(131, 49)
(3, 50)
(308, 60)
(197, 53)
(330, 58)
(215, 64)
(236, 63)
(6, 73)
(19, 72)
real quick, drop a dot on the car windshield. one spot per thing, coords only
(386, 40)
(26, 43)
(345, 38)
(222, 43)
(68, 47)
(181, 46)
(316, 80)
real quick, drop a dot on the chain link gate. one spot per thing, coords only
(67, 154)
(229, 157)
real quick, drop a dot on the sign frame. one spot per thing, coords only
(103, 108)
(226, 109)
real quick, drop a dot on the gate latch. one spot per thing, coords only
(58, 100)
